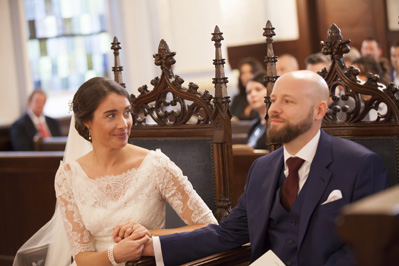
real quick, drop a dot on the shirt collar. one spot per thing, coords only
(308, 151)
(34, 118)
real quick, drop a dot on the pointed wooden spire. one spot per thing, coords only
(270, 59)
(220, 80)
(271, 73)
(117, 68)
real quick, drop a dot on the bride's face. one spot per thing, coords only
(112, 122)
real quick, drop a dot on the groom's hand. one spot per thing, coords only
(148, 249)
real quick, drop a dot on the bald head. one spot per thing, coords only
(305, 82)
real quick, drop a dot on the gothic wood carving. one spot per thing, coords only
(170, 109)
(349, 105)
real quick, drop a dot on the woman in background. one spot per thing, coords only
(256, 92)
(239, 106)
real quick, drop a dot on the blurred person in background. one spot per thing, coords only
(256, 93)
(395, 63)
(33, 123)
(286, 63)
(239, 106)
(372, 47)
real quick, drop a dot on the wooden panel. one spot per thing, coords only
(242, 162)
(5, 143)
(357, 19)
(27, 196)
(309, 41)
(258, 51)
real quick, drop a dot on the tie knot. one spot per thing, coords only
(294, 163)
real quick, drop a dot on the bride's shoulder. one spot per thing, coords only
(141, 154)
(68, 167)
(137, 151)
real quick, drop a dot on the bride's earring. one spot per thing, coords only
(89, 135)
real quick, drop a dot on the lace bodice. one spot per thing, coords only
(92, 207)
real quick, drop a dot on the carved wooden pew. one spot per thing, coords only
(192, 128)
(27, 197)
(49, 144)
(369, 226)
(348, 118)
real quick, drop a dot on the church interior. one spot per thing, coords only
(188, 54)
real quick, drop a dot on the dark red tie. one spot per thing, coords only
(290, 187)
(43, 131)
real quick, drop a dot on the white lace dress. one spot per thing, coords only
(92, 207)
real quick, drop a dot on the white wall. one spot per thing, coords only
(187, 26)
(12, 71)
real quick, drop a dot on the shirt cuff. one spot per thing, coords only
(156, 244)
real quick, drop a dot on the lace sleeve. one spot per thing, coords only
(179, 193)
(79, 237)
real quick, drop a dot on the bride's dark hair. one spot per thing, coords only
(88, 97)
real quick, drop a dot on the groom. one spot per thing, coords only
(292, 212)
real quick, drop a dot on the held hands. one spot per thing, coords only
(123, 230)
(131, 238)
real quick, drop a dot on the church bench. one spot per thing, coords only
(27, 197)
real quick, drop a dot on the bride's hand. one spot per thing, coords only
(123, 230)
(131, 248)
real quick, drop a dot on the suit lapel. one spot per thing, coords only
(29, 125)
(267, 190)
(316, 183)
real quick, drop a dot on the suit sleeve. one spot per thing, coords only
(231, 233)
(371, 178)
(184, 247)
(20, 140)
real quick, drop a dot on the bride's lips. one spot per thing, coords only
(121, 135)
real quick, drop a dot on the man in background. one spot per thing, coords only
(33, 123)
(395, 63)
(286, 63)
(372, 47)
(317, 61)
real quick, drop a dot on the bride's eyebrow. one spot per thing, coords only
(109, 111)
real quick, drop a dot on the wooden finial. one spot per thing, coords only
(220, 80)
(117, 68)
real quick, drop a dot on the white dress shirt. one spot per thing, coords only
(36, 120)
(307, 153)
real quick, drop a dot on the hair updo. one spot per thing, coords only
(259, 77)
(88, 97)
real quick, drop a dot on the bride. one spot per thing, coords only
(109, 196)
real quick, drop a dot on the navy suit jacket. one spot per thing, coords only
(338, 164)
(23, 130)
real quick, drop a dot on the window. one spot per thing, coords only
(68, 43)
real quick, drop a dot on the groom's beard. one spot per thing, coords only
(289, 131)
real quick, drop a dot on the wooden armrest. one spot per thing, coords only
(231, 257)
